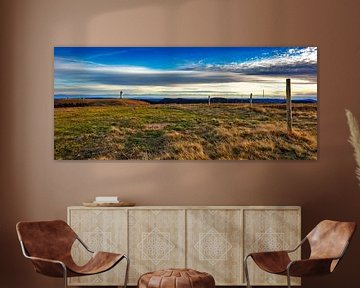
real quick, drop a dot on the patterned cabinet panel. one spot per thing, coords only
(209, 239)
(101, 230)
(269, 230)
(156, 240)
(214, 244)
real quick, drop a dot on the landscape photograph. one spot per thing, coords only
(185, 103)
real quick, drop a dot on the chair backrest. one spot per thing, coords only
(46, 239)
(329, 239)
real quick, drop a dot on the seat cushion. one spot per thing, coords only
(176, 278)
(99, 262)
(272, 262)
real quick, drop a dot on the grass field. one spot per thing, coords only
(185, 132)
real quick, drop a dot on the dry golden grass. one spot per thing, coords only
(183, 150)
(186, 132)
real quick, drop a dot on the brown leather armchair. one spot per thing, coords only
(48, 245)
(328, 242)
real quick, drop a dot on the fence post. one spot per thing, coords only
(250, 99)
(209, 99)
(288, 106)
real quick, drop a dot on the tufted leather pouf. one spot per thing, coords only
(176, 278)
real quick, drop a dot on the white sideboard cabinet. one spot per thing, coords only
(211, 239)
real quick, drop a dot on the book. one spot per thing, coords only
(107, 199)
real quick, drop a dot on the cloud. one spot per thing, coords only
(85, 77)
(85, 72)
(101, 55)
(294, 62)
(89, 72)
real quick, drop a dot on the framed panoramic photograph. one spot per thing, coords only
(185, 103)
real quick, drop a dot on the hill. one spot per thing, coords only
(63, 103)
(219, 100)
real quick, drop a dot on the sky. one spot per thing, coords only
(173, 72)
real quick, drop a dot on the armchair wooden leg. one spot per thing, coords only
(246, 271)
(127, 271)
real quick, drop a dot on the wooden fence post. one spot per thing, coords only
(288, 106)
(209, 99)
(250, 99)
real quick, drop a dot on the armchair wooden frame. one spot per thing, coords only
(59, 267)
(320, 261)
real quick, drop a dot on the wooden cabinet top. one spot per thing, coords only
(194, 207)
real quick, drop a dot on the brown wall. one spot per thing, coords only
(34, 186)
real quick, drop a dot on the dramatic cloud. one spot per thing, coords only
(87, 72)
(296, 61)
(74, 76)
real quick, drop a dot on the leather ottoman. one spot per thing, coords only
(176, 278)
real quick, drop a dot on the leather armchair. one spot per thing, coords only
(328, 242)
(48, 245)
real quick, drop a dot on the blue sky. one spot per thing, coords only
(184, 71)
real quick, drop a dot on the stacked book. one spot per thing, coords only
(106, 199)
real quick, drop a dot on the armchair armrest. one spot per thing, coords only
(83, 244)
(49, 267)
(298, 246)
(46, 260)
(314, 266)
(280, 252)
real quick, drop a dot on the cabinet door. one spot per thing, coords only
(271, 230)
(214, 244)
(100, 230)
(156, 240)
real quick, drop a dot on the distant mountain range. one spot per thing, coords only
(197, 100)
(223, 100)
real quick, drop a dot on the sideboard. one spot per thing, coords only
(213, 239)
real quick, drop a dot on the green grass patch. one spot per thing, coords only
(193, 131)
